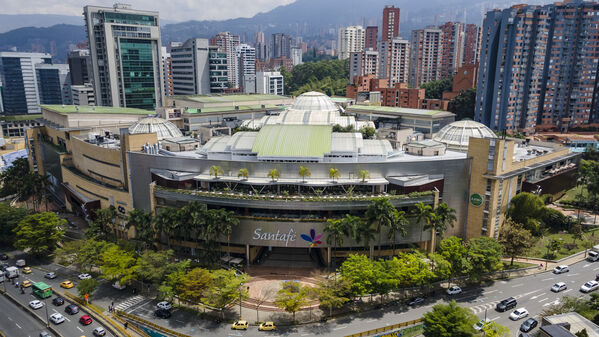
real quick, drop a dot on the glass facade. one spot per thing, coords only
(13, 92)
(49, 86)
(130, 19)
(138, 73)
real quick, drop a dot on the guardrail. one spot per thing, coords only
(386, 328)
(150, 324)
(133, 327)
(112, 323)
(36, 316)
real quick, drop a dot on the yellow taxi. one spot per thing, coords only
(267, 326)
(239, 325)
(26, 284)
(27, 270)
(67, 284)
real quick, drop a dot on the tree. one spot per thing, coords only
(16, 180)
(407, 270)
(359, 271)
(335, 230)
(440, 266)
(576, 231)
(173, 280)
(154, 266)
(435, 89)
(194, 284)
(103, 225)
(515, 239)
(263, 296)
(526, 208)
(68, 253)
(322, 74)
(9, 218)
(144, 229)
(291, 297)
(167, 221)
(582, 333)
(216, 171)
(484, 254)
(39, 232)
(334, 173)
(87, 287)
(363, 175)
(225, 288)
(243, 173)
(454, 251)
(463, 104)
(493, 329)
(398, 225)
(445, 217)
(332, 294)
(367, 132)
(274, 174)
(423, 215)
(119, 265)
(89, 255)
(381, 213)
(449, 320)
(304, 172)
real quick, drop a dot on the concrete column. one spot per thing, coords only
(329, 256)
(371, 250)
(247, 255)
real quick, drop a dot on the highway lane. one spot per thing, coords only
(16, 322)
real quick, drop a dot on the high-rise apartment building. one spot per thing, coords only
(350, 40)
(83, 94)
(372, 34)
(280, 45)
(538, 65)
(219, 69)
(228, 44)
(20, 93)
(125, 51)
(390, 23)
(190, 68)
(246, 66)
(363, 63)
(168, 72)
(425, 56)
(471, 44)
(452, 45)
(269, 82)
(80, 66)
(261, 46)
(394, 60)
(53, 83)
(296, 56)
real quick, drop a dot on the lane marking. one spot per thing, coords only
(543, 300)
(489, 292)
(79, 329)
(547, 279)
(18, 326)
(565, 291)
(340, 327)
(307, 334)
(586, 265)
(10, 319)
(517, 285)
(495, 318)
(537, 296)
(596, 268)
(569, 275)
(371, 320)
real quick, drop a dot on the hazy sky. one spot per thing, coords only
(175, 10)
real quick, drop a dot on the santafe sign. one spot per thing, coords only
(476, 199)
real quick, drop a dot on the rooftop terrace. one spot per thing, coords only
(87, 109)
(293, 141)
(233, 98)
(236, 108)
(398, 110)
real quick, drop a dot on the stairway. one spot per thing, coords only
(289, 258)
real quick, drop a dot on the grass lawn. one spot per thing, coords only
(568, 247)
(573, 194)
(516, 265)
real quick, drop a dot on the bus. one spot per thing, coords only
(42, 290)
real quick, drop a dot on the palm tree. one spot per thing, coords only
(192, 220)
(216, 170)
(167, 221)
(142, 221)
(381, 213)
(304, 172)
(243, 173)
(274, 174)
(334, 173)
(367, 235)
(335, 238)
(363, 175)
(399, 224)
(442, 216)
(423, 215)
(352, 226)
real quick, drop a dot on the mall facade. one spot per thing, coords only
(122, 157)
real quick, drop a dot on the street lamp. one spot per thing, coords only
(47, 317)
(240, 289)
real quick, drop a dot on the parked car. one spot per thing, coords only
(528, 325)
(481, 324)
(85, 320)
(239, 325)
(454, 290)
(71, 309)
(164, 305)
(45, 334)
(57, 318)
(589, 286)
(415, 301)
(559, 286)
(36, 304)
(267, 326)
(50, 275)
(3, 257)
(506, 304)
(58, 301)
(99, 331)
(117, 285)
(161, 313)
(518, 313)
(84, 276)
(561, 269)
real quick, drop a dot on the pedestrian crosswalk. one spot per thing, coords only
(491, 305)
(129, 303)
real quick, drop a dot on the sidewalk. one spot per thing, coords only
(547, 265)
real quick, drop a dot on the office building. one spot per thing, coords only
(168, 71)
(471, 44)
(190, 68)
(125, 49)
(1, 91)
(54, 83)
(20, 93)
(83, 94)
(262, 50)
(269, 82)
(538, 67)
(425, 56)
(228, 43)
(390, 23)
(80, 66)
(218, 62)
(280, 46)
(372, 33)
(363, 63)
(350, 40)
(296, 56)
(452, 45)
(246, 66)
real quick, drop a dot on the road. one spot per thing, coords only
(17, 322)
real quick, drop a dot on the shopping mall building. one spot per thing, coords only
(97, 157)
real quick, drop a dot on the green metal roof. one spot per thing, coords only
(233, 98)
(422, 112)
(20, 117)
(293, 141)
(72, 109)
(232, 108)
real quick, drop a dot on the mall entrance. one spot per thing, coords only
(287, 257)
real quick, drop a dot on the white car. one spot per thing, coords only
(84, 276)
(50, 275)
(117, 285)
(481, 324)
(164, 305)
(561, 269)
(35, 304)
(57, 318)
(559, 286)
(454, 290)
(518, 313)
(589, 286)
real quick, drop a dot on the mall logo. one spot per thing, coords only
(313, 239)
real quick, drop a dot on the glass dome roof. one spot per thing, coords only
(457, 134)
(162, 128)
(314, 101)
